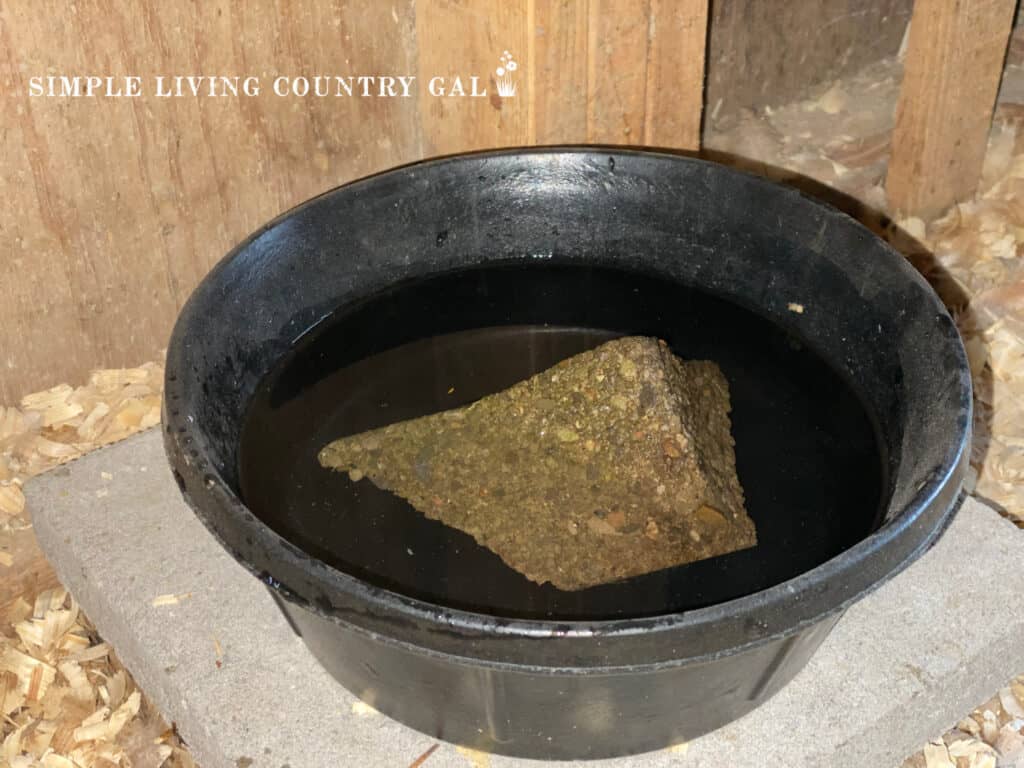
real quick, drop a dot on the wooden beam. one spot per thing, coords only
(951, 77)
(645, 75)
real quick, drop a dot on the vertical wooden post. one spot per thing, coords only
(645, 74)
(953, 67)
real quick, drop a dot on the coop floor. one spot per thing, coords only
(839, 138)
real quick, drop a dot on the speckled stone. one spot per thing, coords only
(615, 462)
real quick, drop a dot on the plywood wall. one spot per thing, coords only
(114, 208)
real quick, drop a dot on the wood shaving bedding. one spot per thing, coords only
(65, 699)
(62, 423)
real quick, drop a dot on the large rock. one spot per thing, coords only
(613, 463)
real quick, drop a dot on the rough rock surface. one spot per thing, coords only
(613, 463)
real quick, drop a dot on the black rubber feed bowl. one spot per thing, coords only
(429, 286)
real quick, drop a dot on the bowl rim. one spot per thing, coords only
(608, 642)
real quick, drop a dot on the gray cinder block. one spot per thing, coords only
(901, 666)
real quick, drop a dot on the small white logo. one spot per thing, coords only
(506, 85)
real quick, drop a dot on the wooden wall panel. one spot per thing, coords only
(115, 207)
(620, 71)
(561, 46)
(616, 75)
(457, 38)
(951, 77)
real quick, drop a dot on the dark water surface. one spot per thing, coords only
(807, 454)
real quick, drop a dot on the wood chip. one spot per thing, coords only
(424, 757)
(53, 760)
(12, 500)
(937, 756)
(1010, 703)
(362, 709)
(52, 404)
(161, 600)
(833, 101)
(79, 685)
(476, 758)
(49, 600)
(114, 378)
(34, 676)
(92, 653)
(12, 695)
